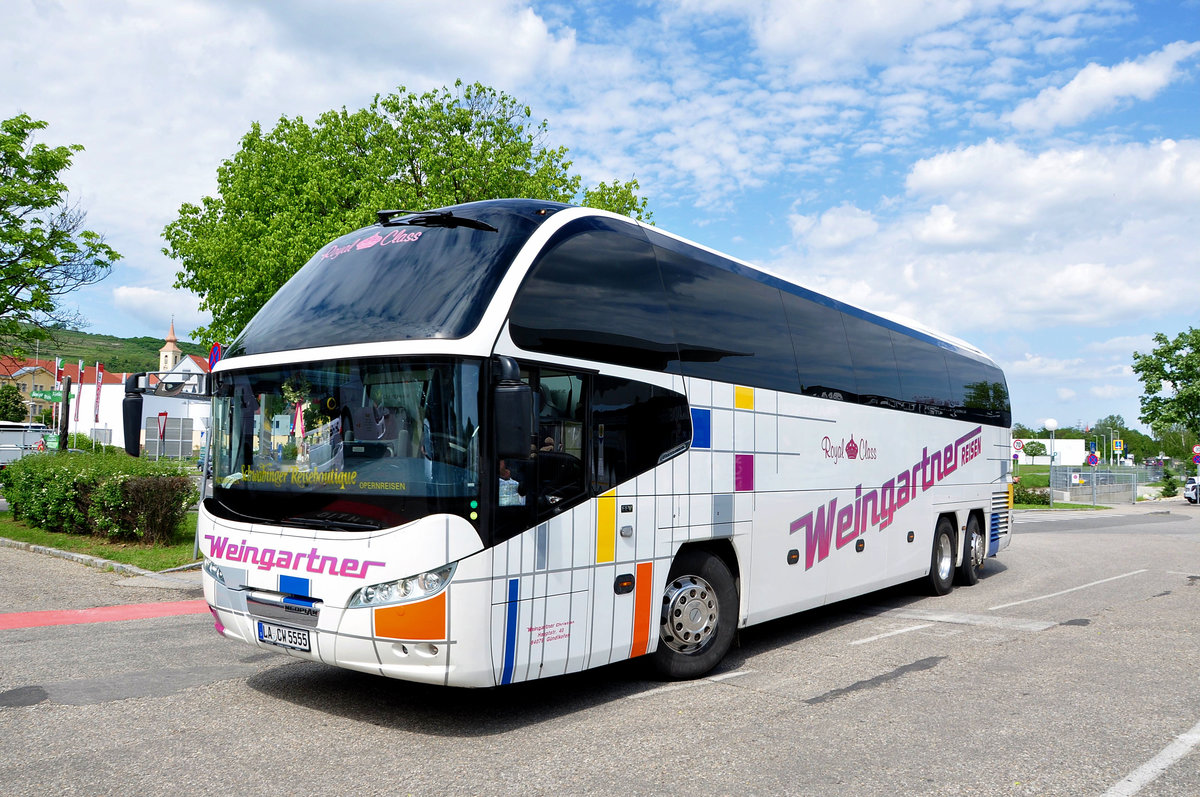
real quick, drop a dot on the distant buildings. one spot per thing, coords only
(101, 418)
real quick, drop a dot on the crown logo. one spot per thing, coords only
(852, 449)
(367, 243)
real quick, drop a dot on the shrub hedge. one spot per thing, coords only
(107, 494)
(1030, 495)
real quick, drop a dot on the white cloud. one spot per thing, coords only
(993, 235)
(1065, 393)
(835, 228)
(1037, 365)
(1123, 346)
(1112, 391)
(156, 309)
(1096, 89)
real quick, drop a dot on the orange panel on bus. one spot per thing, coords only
(420, 620)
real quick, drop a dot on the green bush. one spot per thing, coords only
(85, 444)
(1023, 494)
(107, 494)
(1170, 485)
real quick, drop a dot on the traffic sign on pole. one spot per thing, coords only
(1020, 444)
(1093, 460)
(1196, 449)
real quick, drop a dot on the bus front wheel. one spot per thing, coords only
(699, 616)
(974, 552)
(941, 564)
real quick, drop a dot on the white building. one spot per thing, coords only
(1067, 452)
(103, 421)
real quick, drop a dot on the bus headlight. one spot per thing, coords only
(214, 570)
(402, 590)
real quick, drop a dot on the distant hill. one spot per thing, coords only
(118, 354)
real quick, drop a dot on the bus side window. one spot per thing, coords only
(553, 478)
(559, 458)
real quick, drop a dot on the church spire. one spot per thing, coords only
(170, 354)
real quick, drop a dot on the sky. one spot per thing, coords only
(1023, 175)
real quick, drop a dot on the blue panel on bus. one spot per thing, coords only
(510, 632)
(701, 428)
(292, 585)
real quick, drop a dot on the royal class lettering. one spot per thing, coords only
(273, 559)
(851, 450)
(828, 526)
(389, 238)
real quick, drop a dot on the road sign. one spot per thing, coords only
(1020, 444)
(1196, 449)
(214, 355)
(1093, 460)
(1118, 446)
(1092, 446)
(1196, 459)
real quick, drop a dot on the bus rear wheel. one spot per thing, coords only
(974, 552)
(941, 563)
(699, 616)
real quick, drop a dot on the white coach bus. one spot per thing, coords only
(514, 439)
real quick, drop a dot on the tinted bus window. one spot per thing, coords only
(923, 376)
(874, 362)
(822, 354)
(635, 426)
(729, 327)
(400, 282)
(596, 294)
(980, 390)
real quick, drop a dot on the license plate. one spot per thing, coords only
(295, 638)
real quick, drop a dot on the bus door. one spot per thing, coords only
(544, 536)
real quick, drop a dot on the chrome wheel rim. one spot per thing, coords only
(978, 549)
(945, 560)
(689, 615)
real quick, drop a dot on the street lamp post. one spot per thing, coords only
(1051, 425)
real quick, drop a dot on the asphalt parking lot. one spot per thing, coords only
(1070, 669)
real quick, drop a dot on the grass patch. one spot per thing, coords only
(147, 557)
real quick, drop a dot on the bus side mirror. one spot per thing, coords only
(512, 412)
(131, 415)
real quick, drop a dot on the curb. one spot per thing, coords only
(98, 563)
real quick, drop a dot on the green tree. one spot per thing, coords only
(44, 251)
(1035, 449)
(290, 190)
(12, 406)
(1170, 376)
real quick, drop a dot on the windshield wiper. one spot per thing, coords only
(243, 515)
(330, 523)
(445, 218)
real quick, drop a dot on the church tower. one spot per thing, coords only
(170, 354)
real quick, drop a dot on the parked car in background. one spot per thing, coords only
(1191, 490)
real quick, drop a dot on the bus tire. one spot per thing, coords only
(699, 616)
(974, 552)
(941, 561)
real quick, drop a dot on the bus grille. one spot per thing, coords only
(1001, 518)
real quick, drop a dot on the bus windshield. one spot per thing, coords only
(346, 444)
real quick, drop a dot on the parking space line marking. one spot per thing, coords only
(891, 633)
(962, 618)
(725, 676)
(1132, 783)
(1065, 591)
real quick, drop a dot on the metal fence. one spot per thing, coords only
(1083, 485)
